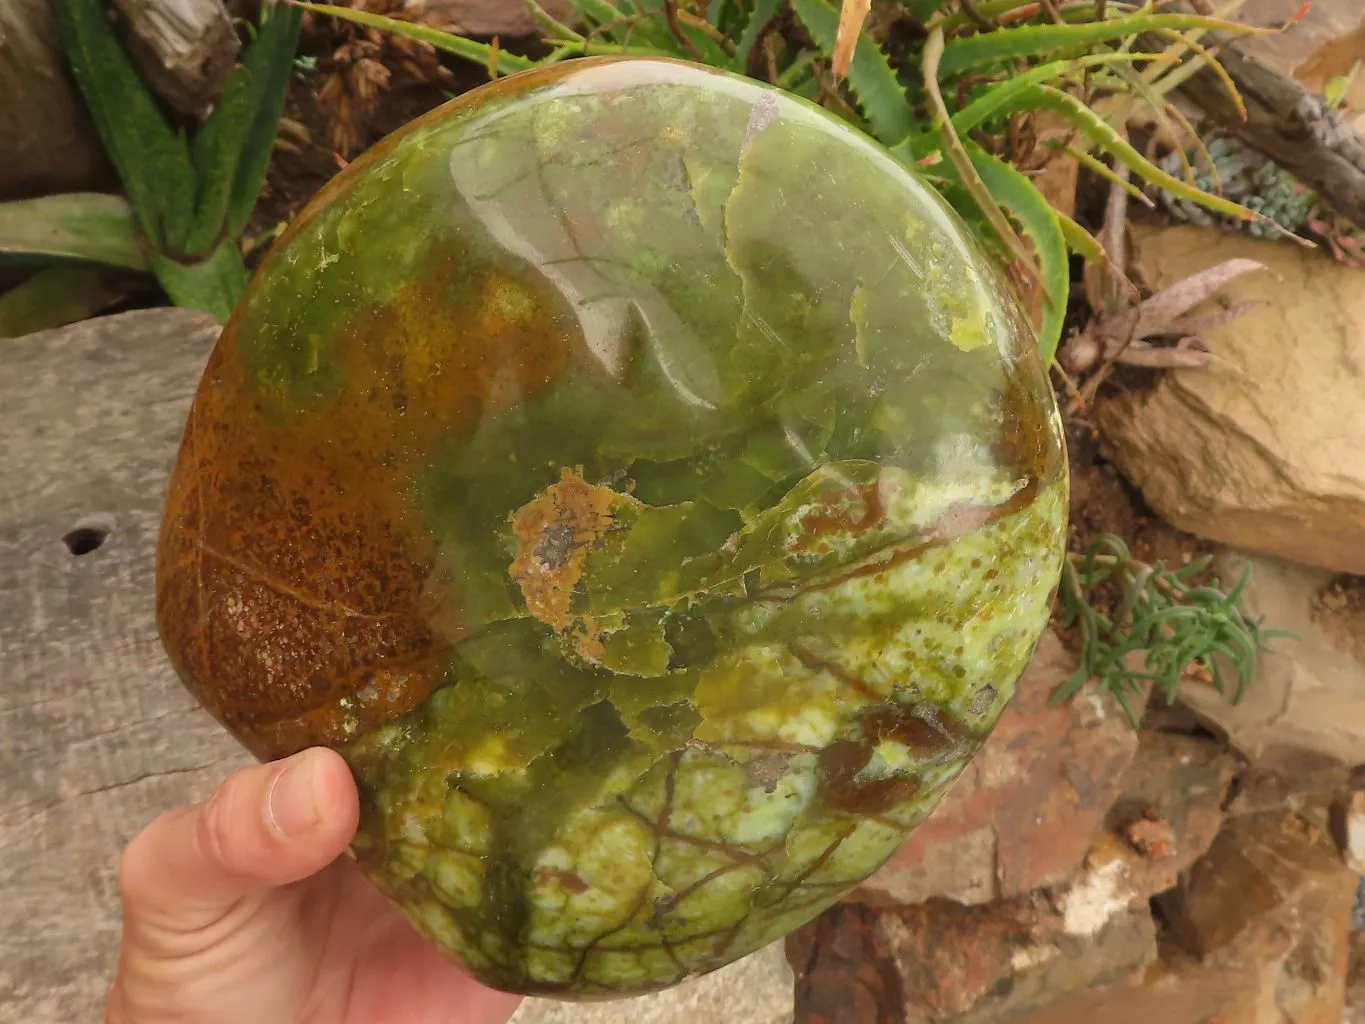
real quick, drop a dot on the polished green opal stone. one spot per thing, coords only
(646, 484)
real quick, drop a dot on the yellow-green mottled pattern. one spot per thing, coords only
(648, 485)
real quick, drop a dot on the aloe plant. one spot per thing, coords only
(186, 199)
(937, 104)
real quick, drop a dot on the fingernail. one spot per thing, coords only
(293, 805)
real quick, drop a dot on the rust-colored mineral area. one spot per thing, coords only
(294, 590)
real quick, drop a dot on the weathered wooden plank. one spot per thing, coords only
(96, 734)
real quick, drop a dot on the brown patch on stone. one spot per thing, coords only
(555, 532)
(841, 786)
(923, 729)
(567, 879)
(299, 595)
(843, 512)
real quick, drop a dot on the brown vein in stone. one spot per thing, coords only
(819, 861)
(597, 940)
(633, 947)
(670, 783)
(957, 521)
(740, 856)
(815, 663)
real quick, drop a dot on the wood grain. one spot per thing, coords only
(96, 734)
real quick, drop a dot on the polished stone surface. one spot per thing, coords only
(646, 484)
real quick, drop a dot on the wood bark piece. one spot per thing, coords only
(98, 735)
(183, 48)
(46, 136)
(1285, 121)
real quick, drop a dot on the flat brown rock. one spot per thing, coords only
(988, 964)
(1302, 719)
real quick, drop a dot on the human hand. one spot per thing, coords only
(243, 910)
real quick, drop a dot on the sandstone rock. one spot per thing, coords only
(1305, 708)
(1271, 873)
(1267, 915)
(1168, 812)
(844, 972)
(1273, 895)
(1348, 824)
(1289, 779)
(1264, 448)
(1192, 995)
(1024, 813)
(508, 18)
(1355, 976)
(942, 961)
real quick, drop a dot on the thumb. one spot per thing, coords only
(266, 826)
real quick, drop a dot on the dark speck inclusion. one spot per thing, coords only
(643, 481)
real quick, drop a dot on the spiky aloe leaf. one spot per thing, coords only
(152, 161)
(870, 74)
(999, 95)
(625, 25)
(957, 156)
(1004, 44)
(763, 12)
(1082, 242)
(215, 152)
(1044, 97)
(549, 25)
(85, 227)
(269, 61)
(682, 33)
(1041, 226)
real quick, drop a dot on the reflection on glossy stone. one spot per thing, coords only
(646, 485)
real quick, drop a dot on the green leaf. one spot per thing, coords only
(548, 24)
(702, 43)
(923, 10)
(214, 284)
(1044, 97)
(1081, 241)
(961, 163)
(152, 161)
(870, 76)
(1040, 223)
(967, 52)
(57, 296)
(269, 62)
(80, 226)
(764, 11)
(215, 152)
(999, 95)
(469, 49)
